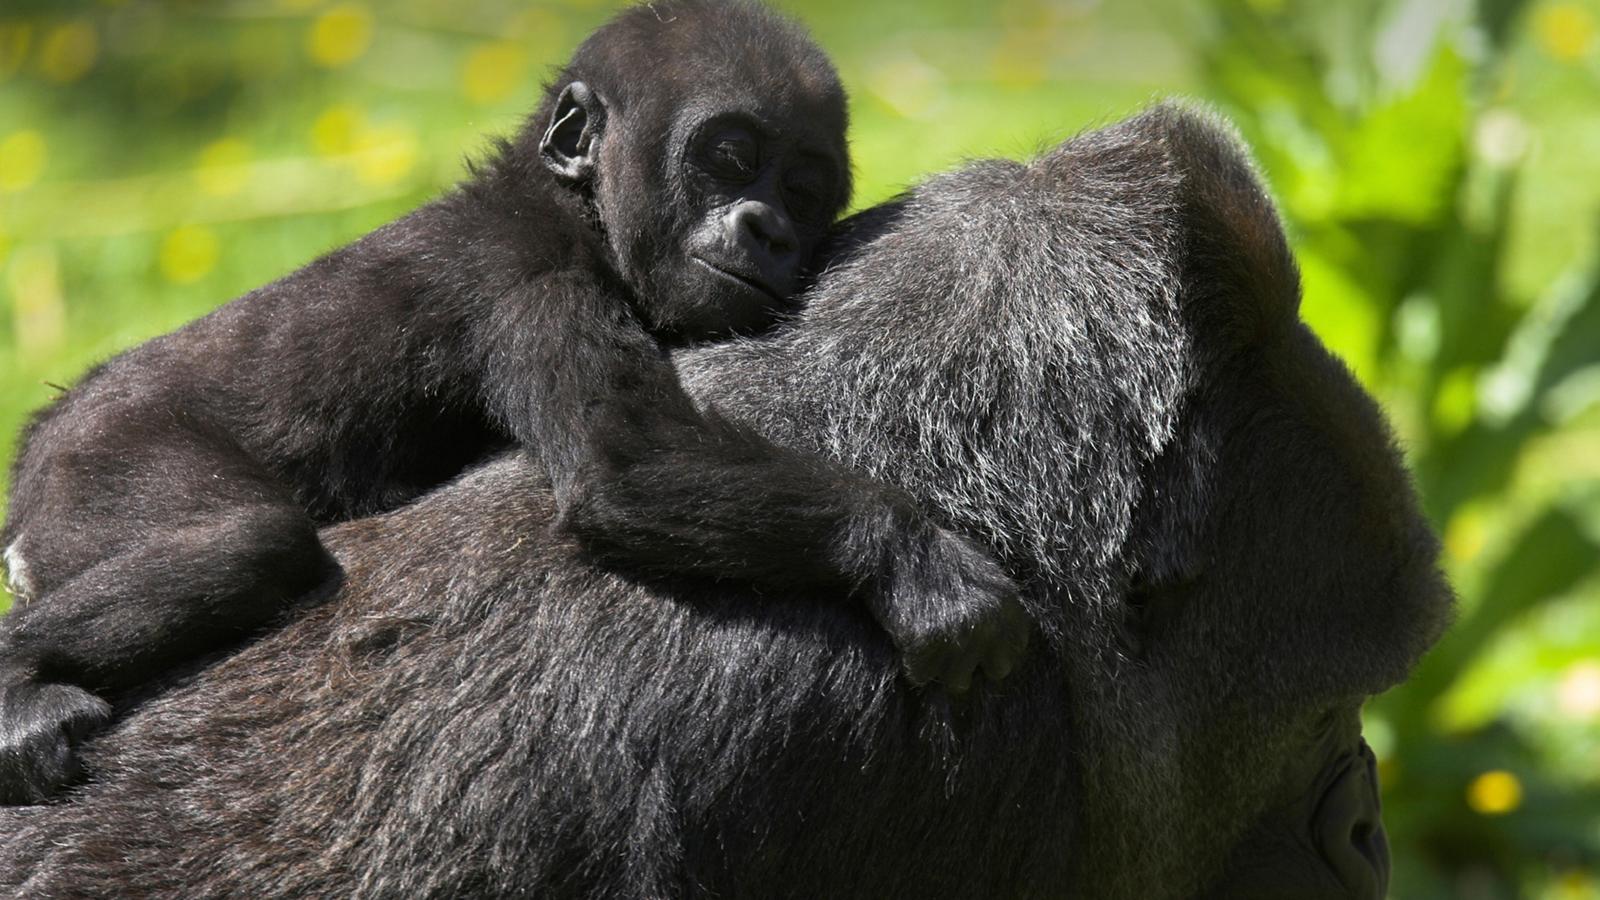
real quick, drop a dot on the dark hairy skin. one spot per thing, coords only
(670, 190)
(1094, 362)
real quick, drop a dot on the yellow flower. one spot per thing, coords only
(339, 36)
(22, 159)
(14, 40)
(68, 52)
(38, 311)
(385, 154)
(1456, 403)
(1467, 532)
(1494, 793)
(1575, 884)
(492, 71)
(189, 253)
(1566, 30)
(536, 23)
(224, 167)
(334, 132)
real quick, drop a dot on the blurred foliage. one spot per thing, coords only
(1435, 160)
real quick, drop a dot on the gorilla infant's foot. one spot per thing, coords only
(951, 610)
(41, 726)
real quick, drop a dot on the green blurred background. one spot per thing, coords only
(1436, 161)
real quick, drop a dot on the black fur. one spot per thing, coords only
(676, 178)
(1093, 361)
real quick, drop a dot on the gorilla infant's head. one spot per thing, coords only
(709, 136)
(1093, 362)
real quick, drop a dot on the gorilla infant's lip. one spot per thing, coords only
(744, 280)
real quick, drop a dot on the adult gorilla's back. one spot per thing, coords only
(1094, 363)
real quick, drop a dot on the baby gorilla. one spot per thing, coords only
(670, 189)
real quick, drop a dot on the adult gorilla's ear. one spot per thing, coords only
(571, 145)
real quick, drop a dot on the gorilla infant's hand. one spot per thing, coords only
(951, 610)
(41, 726)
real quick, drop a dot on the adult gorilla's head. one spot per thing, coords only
(1093, 362)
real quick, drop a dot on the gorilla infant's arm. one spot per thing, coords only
(678, 175)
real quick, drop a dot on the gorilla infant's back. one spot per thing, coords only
(1092, 361)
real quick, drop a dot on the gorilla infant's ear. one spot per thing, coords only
(571, 145)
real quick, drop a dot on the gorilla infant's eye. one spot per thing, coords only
(732, 154)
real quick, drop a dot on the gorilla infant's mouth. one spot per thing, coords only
(744, 280)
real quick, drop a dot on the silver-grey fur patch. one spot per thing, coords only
(17, 580)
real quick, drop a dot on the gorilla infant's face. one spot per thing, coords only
(715, 161)
(716, 229)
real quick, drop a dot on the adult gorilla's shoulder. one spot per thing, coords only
(1094, 362)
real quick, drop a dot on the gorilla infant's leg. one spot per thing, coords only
(110, 601)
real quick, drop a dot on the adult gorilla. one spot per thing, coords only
(1092, 361)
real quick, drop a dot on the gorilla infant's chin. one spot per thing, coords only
(708, 299)
(1093, 363)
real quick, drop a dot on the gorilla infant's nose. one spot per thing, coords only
(768, 229)
(1349, 829)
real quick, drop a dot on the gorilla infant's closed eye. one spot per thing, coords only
(1093, 361)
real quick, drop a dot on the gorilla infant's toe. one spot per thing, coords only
(41, 726)
(952, 611)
